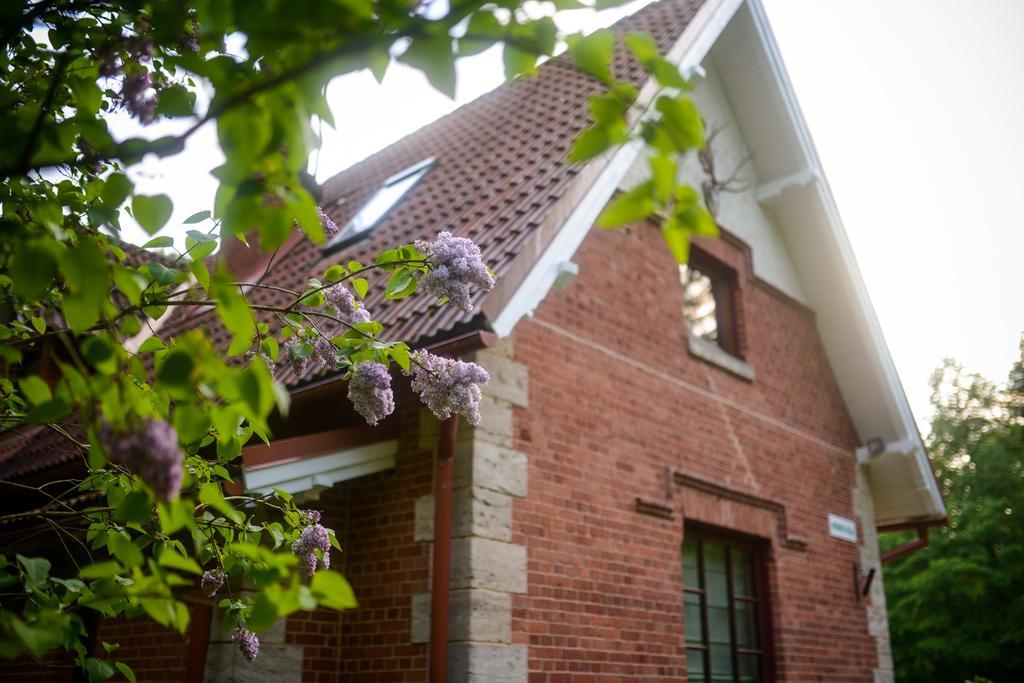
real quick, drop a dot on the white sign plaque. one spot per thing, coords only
(841, 527)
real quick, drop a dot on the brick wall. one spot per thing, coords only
(615, 398)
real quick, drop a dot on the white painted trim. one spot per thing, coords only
(323, 471)
(773, 188)
(878, 350)
(687, 53)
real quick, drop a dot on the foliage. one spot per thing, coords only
(956, 608)
(159, 423)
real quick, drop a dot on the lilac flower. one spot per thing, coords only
(251, 355)
(247, 642)
(331, 228)
(369, 389)
(310, 516)
(448, 386)
(138, 98)
(152, 453)
(313, 538)
(341, 299)
(212, 580)
(110, 65)
(324, 354)
(455, 264)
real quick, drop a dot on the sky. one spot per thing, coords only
(913, 107)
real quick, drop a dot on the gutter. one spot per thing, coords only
(911, 546)
(439, 589)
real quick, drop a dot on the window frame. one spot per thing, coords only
(759, 551)
(723, 290)
(346, 237)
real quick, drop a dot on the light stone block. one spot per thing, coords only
(495, 422)
(277, 663)
(482, 512)
(509, 380)
(489, 466)
(486, 563)
(419, 626)
(423, 519)
(487, 663)
(480, 616)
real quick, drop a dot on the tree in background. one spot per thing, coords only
(956, 608)
(159, 426)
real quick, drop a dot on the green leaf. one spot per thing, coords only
(594, 141)
(152, 213)
(236, 315)
(122, 548)
(361, 286)
(593, 54)
(190, 422)
(628, 207)
(99, 353)
(37, 570)
(436, 59)
(517, 61)
(172, 560)
(98, 669)
(678, 241)
(39, 324)
(161, 274)
(35, 389)
(332, 590)
(211, 495)
(682, 122)
(101, 570)
(154, 343)
(401, 284)
(135, 507)
(175, 371)
(85, 270)
(115, 190)
(642, 46)
(264, 612)
(197, 217)
(663, 176)
(49, 412)
(175, 100)
(126, 671)
(32, 269)
(157, 242)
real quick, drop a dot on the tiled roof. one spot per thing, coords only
(500, 168)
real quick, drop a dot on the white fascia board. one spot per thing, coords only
(322, 471)
(877, 350)
(687, 53)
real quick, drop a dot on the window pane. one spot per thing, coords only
(691, 618)
(699, 306)
(746, 625)
(742, 574)
(691, 570)
(385, 198)
(750, 668)
(695, 665)
(715, 578)
(721, 663)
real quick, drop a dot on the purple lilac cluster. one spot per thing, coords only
(312, 539)
(247, 642)
(324, 355)
(369, 389)
(212, 580)
(310, 516)
(251, 355)
(344, 303)
(331, 228)
(455, 264)
(152, 453)
(139, 98)
(448, 386)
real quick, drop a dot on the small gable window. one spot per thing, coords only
(381, 202)
(709, 302)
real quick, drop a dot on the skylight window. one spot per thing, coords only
(382, 201)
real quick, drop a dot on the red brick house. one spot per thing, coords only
(679, 474)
